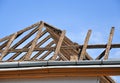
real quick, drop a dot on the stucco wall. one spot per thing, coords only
(54, 80)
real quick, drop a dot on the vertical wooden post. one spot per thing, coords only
(8, 45)
(83, 50)
(59, 45)
(27, 56)
(109, 44)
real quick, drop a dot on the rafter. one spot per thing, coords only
(8, 45)
(63, 50)
(57, 50)
(27, 56)
(82, 55)
(109, 43)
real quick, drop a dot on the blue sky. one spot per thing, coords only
(74, 16)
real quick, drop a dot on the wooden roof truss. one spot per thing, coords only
(43, 42)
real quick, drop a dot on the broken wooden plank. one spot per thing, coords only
(82, 55)
(109, 44)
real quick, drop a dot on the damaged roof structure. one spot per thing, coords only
(50, 53)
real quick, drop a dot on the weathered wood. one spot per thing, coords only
(6, 38)
(109, 44)
(52, 27)
(56, 36)
(59, 45)
(88, 57)
(4, 44)
(25, 49)
(104, 80)
(73, 58)
(82, 55)
(40, 52)
(21, 31)
(7, 47)
(28, 28)
(45, 55)
(63, 57)
(43, 41)
(24, 38)
(101, 55)
(19, 51)
(110, 79)
(100, 46)
(27, 57)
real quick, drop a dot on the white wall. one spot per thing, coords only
(54, 80)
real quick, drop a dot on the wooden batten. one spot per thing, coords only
(40, 52)
(24, 38)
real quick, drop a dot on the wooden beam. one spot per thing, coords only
(63, 57)
(101, 46)
(7, 46)
(58, 72)
(26, 46)
(45, 55)
(25, 49)
(52, 27)
(40, 52)
(101, 55)
(109, 44)
(43, 41)
(6, 38)
(59, 45)
(21, 31)
(28, 28)
(4, 44)
(24, 38)
(110, 79)
(83, 50)
(104, 80)
(27, 57)
(66, 42)
(88, 57)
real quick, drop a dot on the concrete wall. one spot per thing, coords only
(54, 80)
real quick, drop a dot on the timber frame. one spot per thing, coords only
(44, 42)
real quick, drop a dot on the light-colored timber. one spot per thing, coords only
(51, 43)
